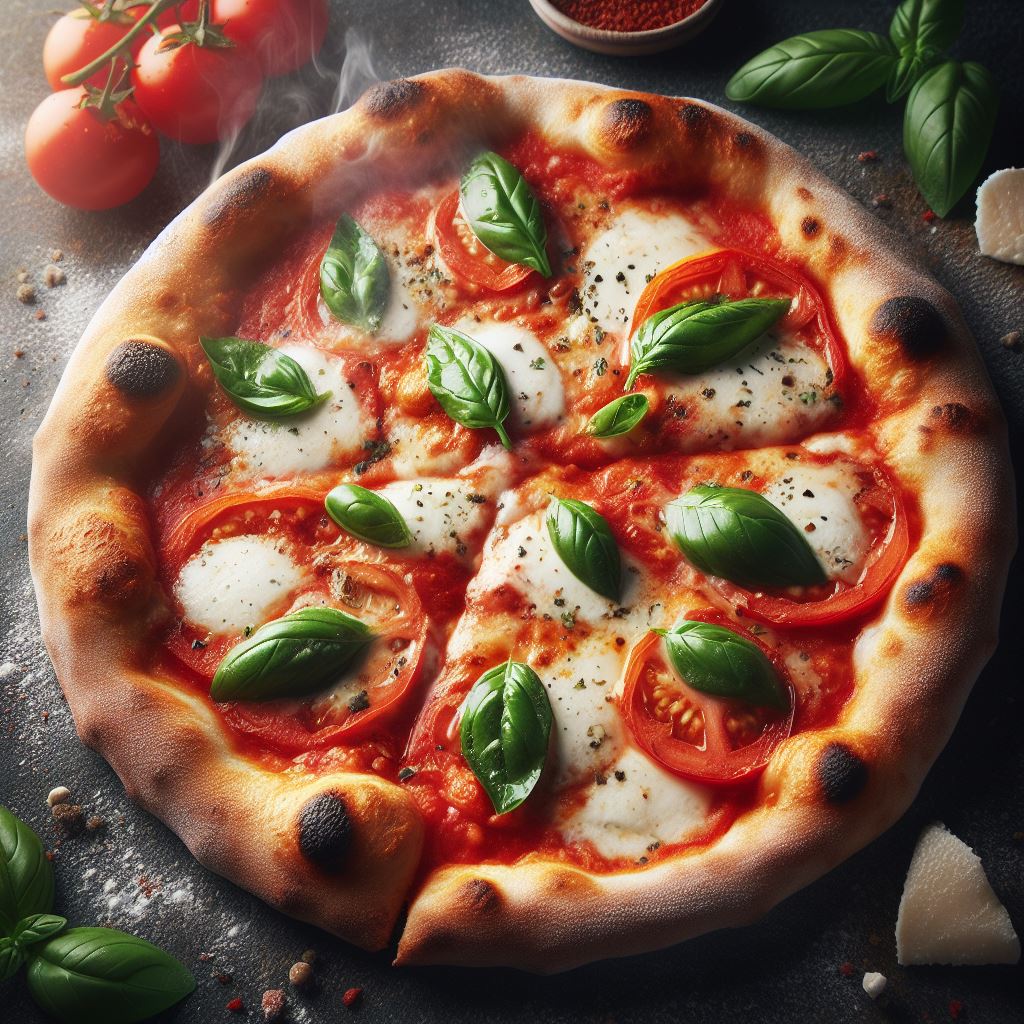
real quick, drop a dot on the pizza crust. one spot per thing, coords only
(139, 367)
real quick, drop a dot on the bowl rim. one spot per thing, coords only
(612, 35)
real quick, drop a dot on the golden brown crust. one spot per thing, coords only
(341, 850)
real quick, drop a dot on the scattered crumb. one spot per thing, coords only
(300, 974)
(869, 156)
(273, 1004)
(56, 255)
(928, 216)
(40, 315)
(58, 795)
(53, 276)
(352, 996)
(1014, 341)
(22, 276)
(874, 983)
(95, 823)
(846, 969)
(308, 957)
(881, 202)
(18, 353)
(26, 293)
(221, 978)
(69, 818)
(236, 1005)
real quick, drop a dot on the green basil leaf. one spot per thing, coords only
(905, 72)
(37, 927)
(619, 416)
(741, 536)
(368, 515)
(583, 541)
(298, 654)
(260, 379)
(504, 213)
(829, 68)
(26, 876)
(695, 336)
(947, 126)
(12, 956)
(103, 976)
(467, 380)
(927, 24)
(354, 278)
(715, 660)
(505, 729)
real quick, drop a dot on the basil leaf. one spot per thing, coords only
(259, 378)
(829, 68)
(26, 876)
(715, 660)
(619, 416)
(695, 336)
(905, 72)
(584, 543)
(505, 729)
(37, 927)
(947, 126)
(368, 515)
(12, 956)
(504, 213)
(924, 24)
(467, 380)
(293, 656)
(741, 536)
(103, 976)
(354, 278)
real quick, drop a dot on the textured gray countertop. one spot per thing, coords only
(134, 874)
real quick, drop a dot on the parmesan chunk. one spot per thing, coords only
(949, 913)
(874, 983)
(1000, 220)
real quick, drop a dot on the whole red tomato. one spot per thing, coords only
(195, 93)
(85, 161)
(77, 39)
(284, 34)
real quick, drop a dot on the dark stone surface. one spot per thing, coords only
(135, 875)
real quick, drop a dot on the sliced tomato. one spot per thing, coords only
(693, 734)
(738, 274)
(881, 503)
(466, 256)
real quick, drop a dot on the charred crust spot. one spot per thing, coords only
(744, 140)
(388, 100)
(841, 773)
(955, 417)
(325, 830)
(626, 123)
(928, 593)
(140, 369)
(239, 192)
(694, 116)
(914, 323)
(481, 895)
(803, 193)
(810, 226)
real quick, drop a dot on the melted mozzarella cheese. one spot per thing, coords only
(770, 394)
(534, 382)
(441, 514)
(635, 806)
(236, 582)
(418, 450)
(818, 500)
(312, 441)
(617, 264)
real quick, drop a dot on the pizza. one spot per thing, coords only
(546, 521)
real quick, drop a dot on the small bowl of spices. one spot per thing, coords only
(626, 28)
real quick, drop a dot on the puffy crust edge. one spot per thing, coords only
(94, 570)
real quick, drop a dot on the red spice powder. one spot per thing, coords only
(628, 15)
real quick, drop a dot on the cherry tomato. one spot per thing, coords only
(466, 256)
(283, 34)
(737, 274)
(82, 160)
(694, 734)
(77, 39)
(881, 505)
(195, 93)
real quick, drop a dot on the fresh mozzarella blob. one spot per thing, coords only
(773, 392)
(948, 913)
(308, 442)
(617, 264)
(418, 451)
(442, 514)
(634, 806)
(236, 582)
(818, 500)
(534, 382)
(1000, 222)
(588, 730)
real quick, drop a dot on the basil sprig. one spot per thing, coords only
(947, 127)
(505, 729)
(260, 379)
(26, 876)
(504, 213)
(368, 515)
(741, 536)
(15, 948)
(103, 976)
(354, 277)
(695, 336)
(293, 656)
(583, 541)
(714, 660)
(619, 416)
(922, 29)
(467, 380)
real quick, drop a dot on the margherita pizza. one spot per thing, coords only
(554, 514)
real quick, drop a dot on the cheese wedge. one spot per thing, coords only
(949, 913)
(1000, 220)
